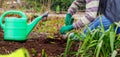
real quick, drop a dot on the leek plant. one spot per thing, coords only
(97, 43)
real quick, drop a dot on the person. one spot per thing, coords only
(109, 11)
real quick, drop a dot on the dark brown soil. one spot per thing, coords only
(53, 47)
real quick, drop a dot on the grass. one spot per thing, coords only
(97, 43)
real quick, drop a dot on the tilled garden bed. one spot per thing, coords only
(52, 47)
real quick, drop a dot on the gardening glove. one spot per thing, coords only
(72, 36)
(22, 52)
(65, 29)
(68, 20)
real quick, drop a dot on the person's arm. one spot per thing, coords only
(72, 10)
(90, 14)
(75, 6)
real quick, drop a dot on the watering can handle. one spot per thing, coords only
(11, 12)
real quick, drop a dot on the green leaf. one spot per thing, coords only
(112, 38)
(102, 27)
(92, 45)
(43, 53)
(33, 51)
(69, 43)
(98, 48)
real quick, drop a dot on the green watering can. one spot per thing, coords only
(17, 29)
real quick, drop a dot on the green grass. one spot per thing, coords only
(97, 43)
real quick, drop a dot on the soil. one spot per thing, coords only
(52, 47)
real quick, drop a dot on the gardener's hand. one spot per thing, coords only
(65, 29)
(68, 20)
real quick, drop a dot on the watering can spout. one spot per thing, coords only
(34, 22)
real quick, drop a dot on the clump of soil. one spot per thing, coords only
(53, 49)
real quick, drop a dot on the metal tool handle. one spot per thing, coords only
(45, 14)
